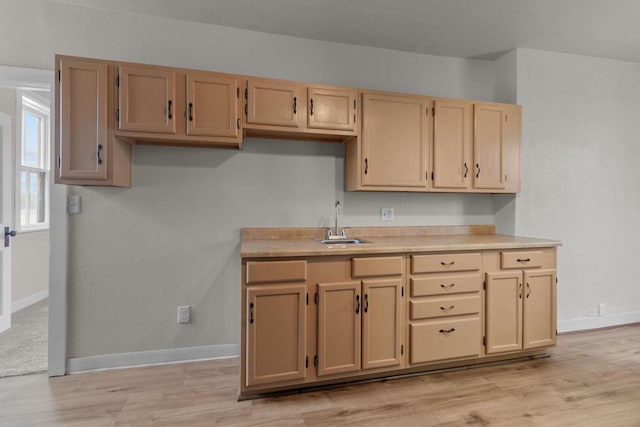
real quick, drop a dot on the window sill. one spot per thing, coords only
(33, 229)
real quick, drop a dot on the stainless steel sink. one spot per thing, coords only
(343, 241)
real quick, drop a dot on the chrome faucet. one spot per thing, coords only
(337, 233)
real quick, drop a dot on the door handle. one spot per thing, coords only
(357, 304)
(99, 154)
(366, 303)
(8, 234)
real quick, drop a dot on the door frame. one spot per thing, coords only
(39, 80)
(7, 213)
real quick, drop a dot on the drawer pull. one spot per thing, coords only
(528, 290)
(523, 259)
(447, 309)
(447, 264)
(447, 331)
(251, 313)
(443, 286)
(357, 304)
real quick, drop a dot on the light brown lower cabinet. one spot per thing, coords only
(276, 333)
(332, 319)
(521, 304)
(359, 325)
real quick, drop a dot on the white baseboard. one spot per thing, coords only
(153, 357)
(30, 300)
(598, 322)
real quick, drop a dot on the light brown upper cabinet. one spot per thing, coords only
(488, 146)
(85, 148)
(146, 99)
(452, 142)
(281, 108)
(331, 109)
(173, 106)
(394, 144)
(274, 103)
(213, 105)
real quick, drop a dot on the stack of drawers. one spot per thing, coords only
(445, 306)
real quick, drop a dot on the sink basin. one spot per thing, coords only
(343, 241)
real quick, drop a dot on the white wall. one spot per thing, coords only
(580, 156)
(29, 251)
(173, 238)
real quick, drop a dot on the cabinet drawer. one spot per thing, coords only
(445, 284)
(524, 259)
(376, 266)
(445, 306)
(438, 263)
(445, 339)
(276, 271)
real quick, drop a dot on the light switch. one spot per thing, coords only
(73, 204)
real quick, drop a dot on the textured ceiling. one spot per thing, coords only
(458, 28)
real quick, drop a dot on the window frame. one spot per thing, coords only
(38, 106)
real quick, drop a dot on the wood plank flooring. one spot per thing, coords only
(592, 379)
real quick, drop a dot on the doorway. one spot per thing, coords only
(25, 132)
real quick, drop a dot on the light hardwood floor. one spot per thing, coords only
(592, 379)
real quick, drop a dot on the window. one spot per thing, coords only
(33, 162)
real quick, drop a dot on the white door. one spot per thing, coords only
(5, 221)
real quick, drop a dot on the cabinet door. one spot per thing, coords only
(212, 104)
(83, 132)
(452, 139)
(504, 312)
(381, 323)
(331, 109)
(276, 336)
(539, 325)
(488, 150)
(146, 99)
(394, 141)
(339, 308)
(273, 103)
(512, 142)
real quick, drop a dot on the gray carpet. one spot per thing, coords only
(23, 347)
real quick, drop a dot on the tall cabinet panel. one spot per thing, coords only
(86, 150)
(488, 146)
(83, 128)
(395, 141)
(147, 99)
(452, 140)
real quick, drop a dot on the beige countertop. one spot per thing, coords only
(280, 242)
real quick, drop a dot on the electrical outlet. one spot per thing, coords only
(73, 204)
(387, 214)
(602, 309)
(184, 314)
